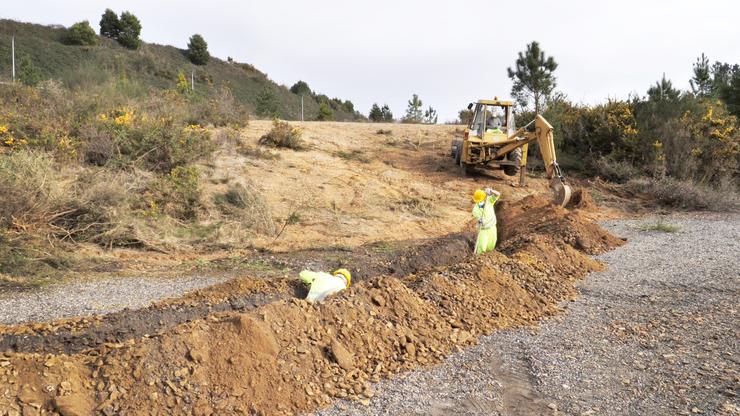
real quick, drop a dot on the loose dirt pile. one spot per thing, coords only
(291, 356)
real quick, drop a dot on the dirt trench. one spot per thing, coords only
(290, 356)
(70, 336)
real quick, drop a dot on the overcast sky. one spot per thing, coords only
(448, 52)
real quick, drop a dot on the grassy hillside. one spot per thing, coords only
(151, 66)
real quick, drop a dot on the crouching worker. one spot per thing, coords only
(325, 284)
(484, 213)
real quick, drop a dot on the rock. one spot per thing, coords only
(378, 300)
(411, 349)
(342, 356)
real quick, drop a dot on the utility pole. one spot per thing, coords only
(301, 107)
(12, 47)
(192, 81)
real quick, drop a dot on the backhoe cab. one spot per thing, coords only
(491, 138)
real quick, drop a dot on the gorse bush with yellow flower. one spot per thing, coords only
(103, 166)
(670, 134)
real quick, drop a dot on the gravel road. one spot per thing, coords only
(93, 297)
(655, 334)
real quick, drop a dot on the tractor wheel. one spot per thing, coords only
(465, 169)
(458, 153)
(513, 156)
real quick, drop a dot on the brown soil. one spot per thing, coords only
(242, 293)
(291, 356)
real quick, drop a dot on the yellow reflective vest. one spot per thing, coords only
(322, 284)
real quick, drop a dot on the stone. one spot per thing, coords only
(342, 356)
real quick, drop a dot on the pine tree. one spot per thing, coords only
(301, 88)
(109, 25)
(663, 91)
(414, 112)
(28, 73)
(198, 50)
(430, 116)
(730, 93)
(376, 114)
(533, 77)
(130, 29)
(325, 112)
(267, 105)
(465, 116)
(386, 114)
(701, 82)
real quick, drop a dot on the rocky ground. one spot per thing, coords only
(657, 334)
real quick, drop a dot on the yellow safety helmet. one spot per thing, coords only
(344, 272)
(479, 196)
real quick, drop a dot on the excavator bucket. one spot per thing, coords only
(561, 191)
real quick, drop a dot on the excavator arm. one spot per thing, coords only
(542, 134)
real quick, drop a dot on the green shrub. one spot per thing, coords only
(81, 34)
(283, 135)
(28, 73)
(684, 195)
(176, 194)
(267, 104)
(615, 171)
(325, 112)
(661, 226)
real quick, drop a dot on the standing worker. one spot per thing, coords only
(484, 213)
(325, 284)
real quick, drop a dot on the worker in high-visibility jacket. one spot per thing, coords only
(485, 215)
(325, 284)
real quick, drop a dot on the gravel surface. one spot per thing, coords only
(655, 334)
(93, 297)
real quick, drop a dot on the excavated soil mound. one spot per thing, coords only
(291, 356)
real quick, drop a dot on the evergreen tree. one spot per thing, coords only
(81, 34)
(198, 50)
(414, 112)
(301, 88)
(386, 114)
(348, 106)
(430, 116)
(663, 91)
(730, 93)
(376, 114)
(267, 105)
(130, 29)
(701, 82)
(28, 73)
(465, 116)
(109, 25)
(325, 112)
(533, 77)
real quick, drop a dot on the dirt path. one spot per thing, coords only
(656, 333)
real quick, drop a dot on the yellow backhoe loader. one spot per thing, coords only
(492, 139)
